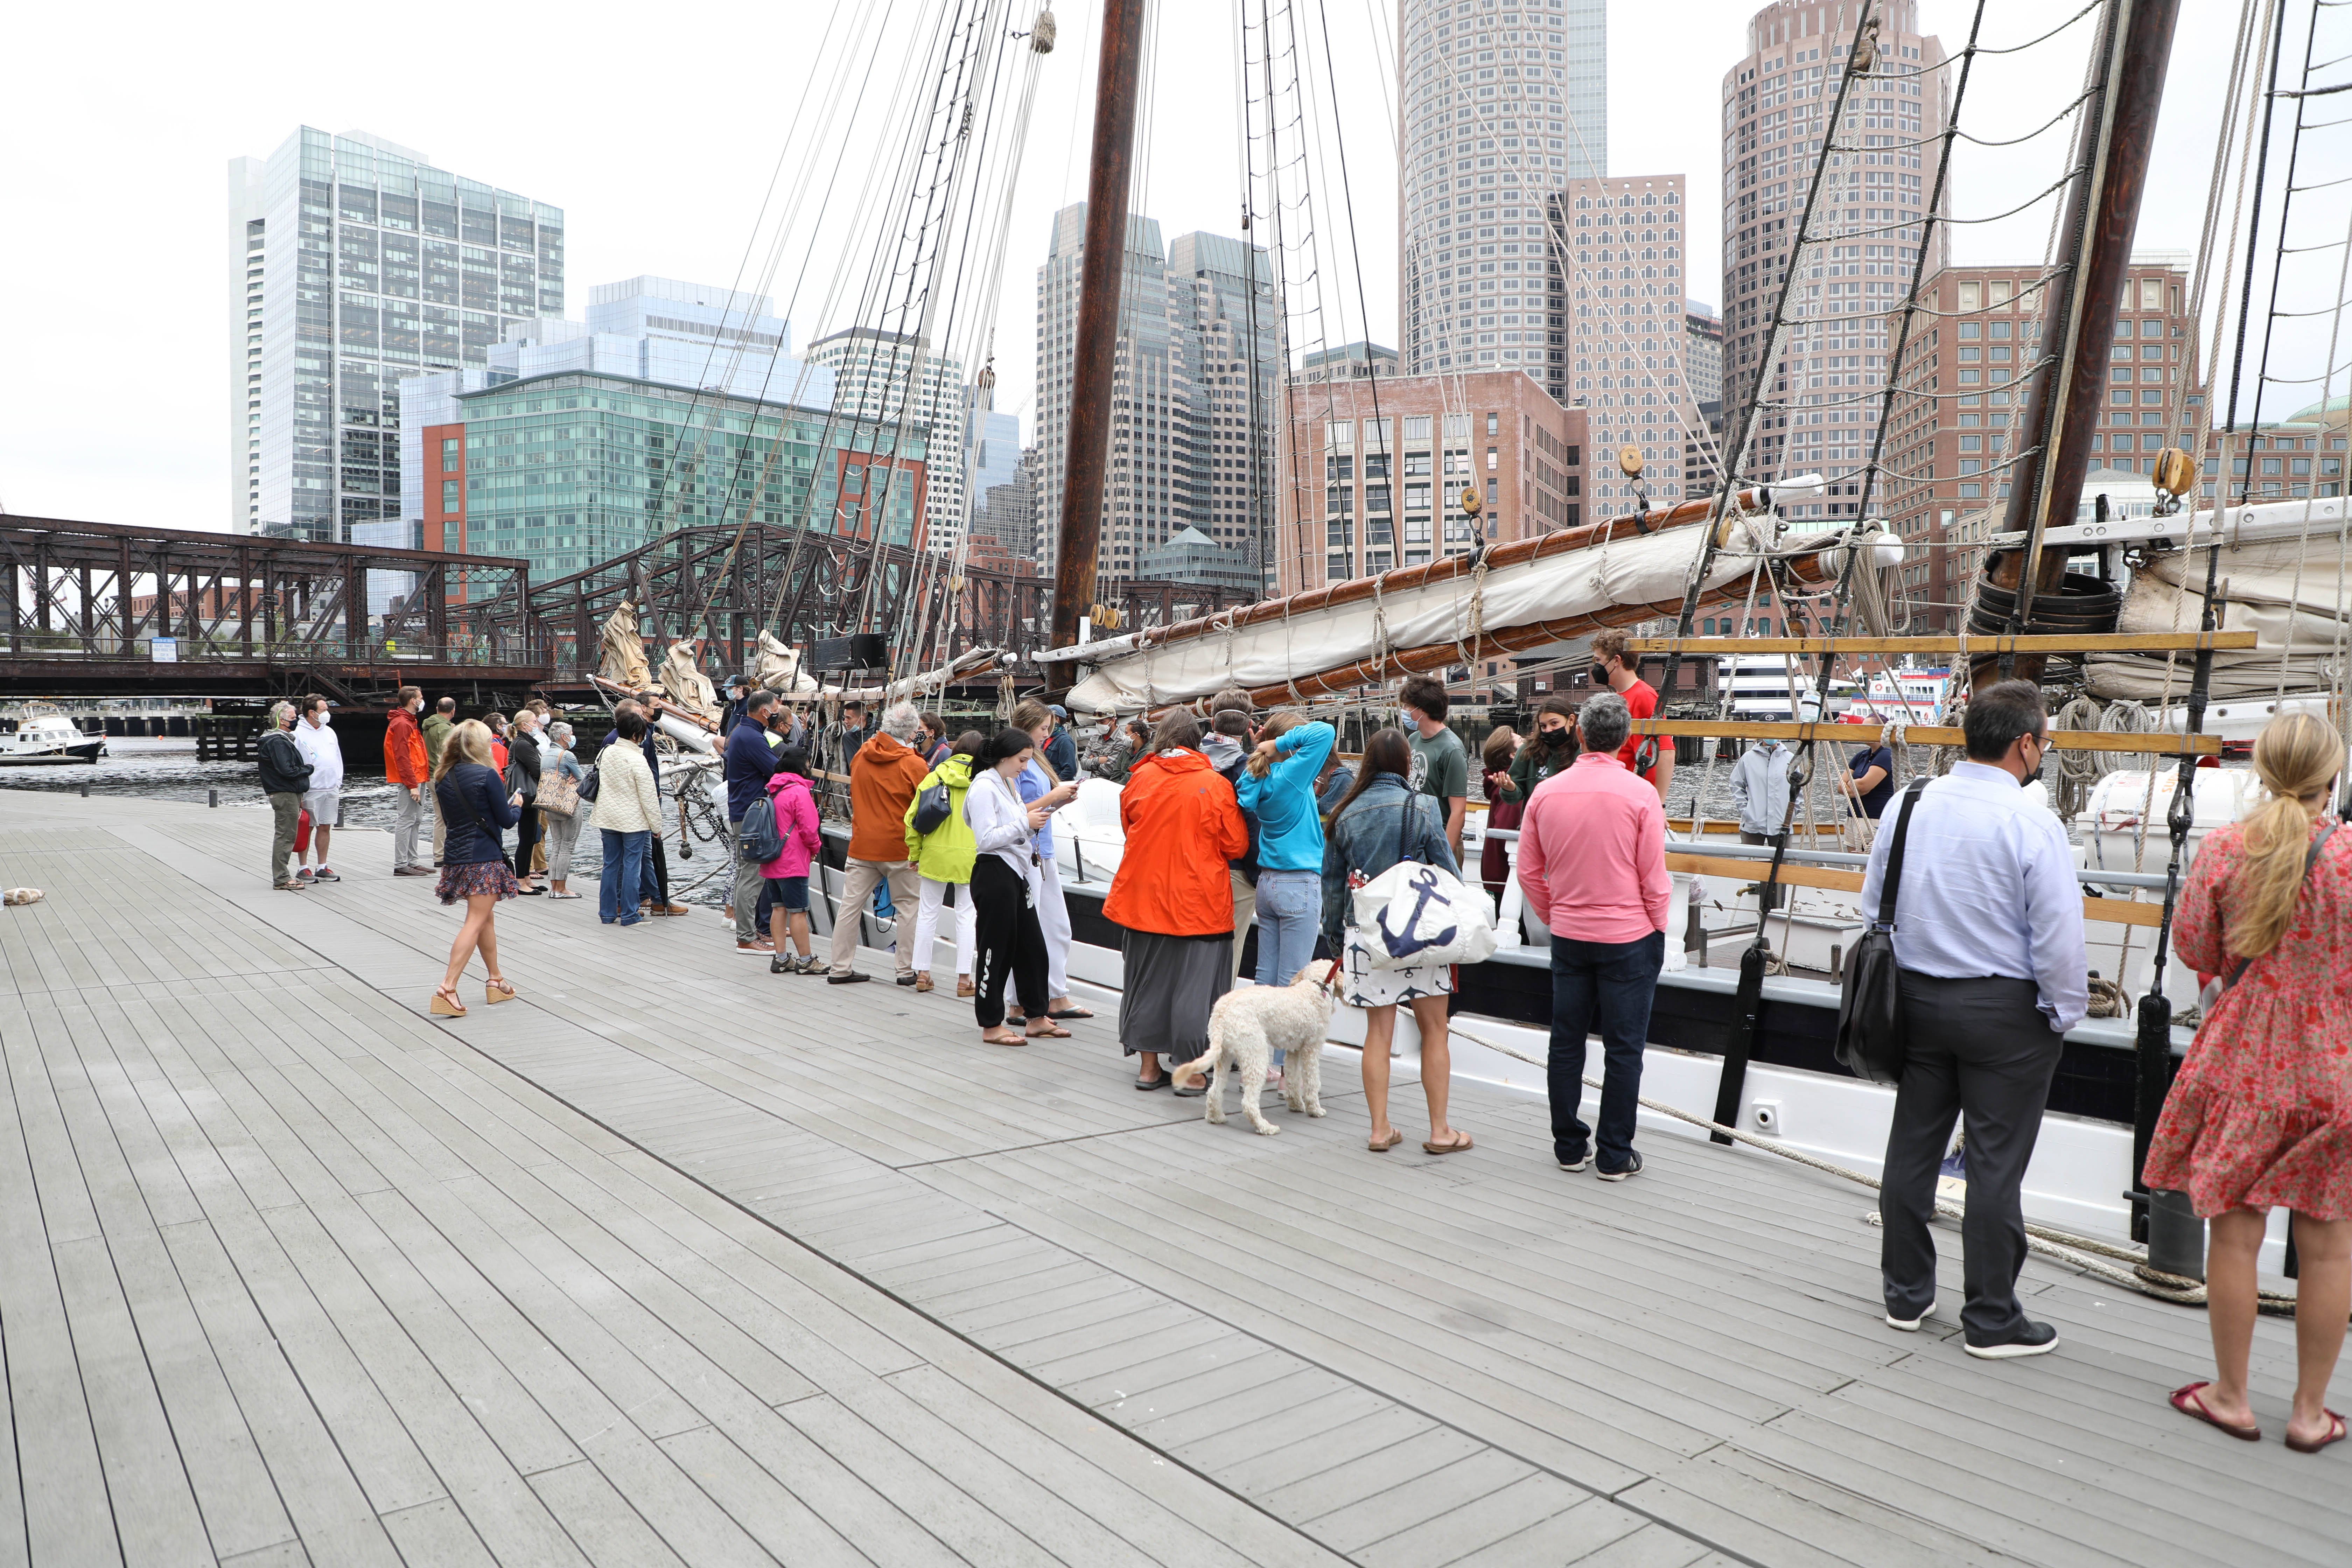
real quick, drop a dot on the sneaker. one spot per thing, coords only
(1631, 1169)
(812, 964)
(631, 920)
(847, 977)
(306, 875)
(1581, 1162)
(1908, 1325)
(759, 945)
(327, 876)
(780, 965)
(2027, 1339)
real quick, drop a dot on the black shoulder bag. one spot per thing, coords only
(1870, 1043)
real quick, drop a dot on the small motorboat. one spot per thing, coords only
(45, 736)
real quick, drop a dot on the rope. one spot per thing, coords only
(2081, 1252)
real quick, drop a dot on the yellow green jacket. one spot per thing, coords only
(947, 852)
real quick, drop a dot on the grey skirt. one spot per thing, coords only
(1171, 983)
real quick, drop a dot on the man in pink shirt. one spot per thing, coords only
(1592, 862)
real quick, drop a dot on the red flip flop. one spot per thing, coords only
(2185, 1400)
(2335, 1435)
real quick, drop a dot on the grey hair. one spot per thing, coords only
(280, 712)
(1604, 719)
(560, 731)
(902, 722)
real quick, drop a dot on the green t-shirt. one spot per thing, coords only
(1441, 768)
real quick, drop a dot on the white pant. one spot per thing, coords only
(1054, 919)
(926, 925)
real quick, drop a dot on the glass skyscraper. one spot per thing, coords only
(1505, 102)
(354, 262)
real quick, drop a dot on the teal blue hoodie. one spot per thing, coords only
(1289, 830)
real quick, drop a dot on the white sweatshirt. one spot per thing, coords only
(320, 748)
(999, 821)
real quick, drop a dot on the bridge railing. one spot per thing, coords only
(499, 647)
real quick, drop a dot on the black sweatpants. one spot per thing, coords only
(1012, 946)
(1981, 1048)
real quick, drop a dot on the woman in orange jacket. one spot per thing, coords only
(1174, 898)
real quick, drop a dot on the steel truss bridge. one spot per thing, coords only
(83, 605)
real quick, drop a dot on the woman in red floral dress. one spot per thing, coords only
(2261, 1112)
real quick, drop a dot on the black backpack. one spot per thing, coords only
(1869, 1041)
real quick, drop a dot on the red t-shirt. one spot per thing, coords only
(1642, 702)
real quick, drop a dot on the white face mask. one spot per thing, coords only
(323, 721)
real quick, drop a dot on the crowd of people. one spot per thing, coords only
(1238, 820)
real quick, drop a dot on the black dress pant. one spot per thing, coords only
(1983, 1049)
(1011, 945)
(525, 836)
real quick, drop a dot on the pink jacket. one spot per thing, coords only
(795, 825)
(1593, 853)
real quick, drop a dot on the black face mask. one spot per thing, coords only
(1555, 739)
(1599, 675)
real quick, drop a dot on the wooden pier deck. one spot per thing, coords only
(676, 1261)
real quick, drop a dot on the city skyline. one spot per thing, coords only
(634, 204)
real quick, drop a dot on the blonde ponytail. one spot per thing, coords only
(2296, 756)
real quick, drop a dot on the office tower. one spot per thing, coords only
(354, 263)
(1702, 352)
(1504, 104)
(1617, 275)
(1192, 399)
(992, 449)
(898, 378)
(1374, 470)
(1950, 433)
(1004, 533)
(569, 467)
(683, 337)
(1776, 100)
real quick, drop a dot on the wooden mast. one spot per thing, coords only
(1097, 367)
(2069, 387)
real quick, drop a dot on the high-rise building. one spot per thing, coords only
(1951, 430)
(900, 378)
(1617, 278)
(992, 448)
(1702, 352)
(570, 468)
(1828, 394)
(1504, 104)
(1199, 346)
(354, 262)
(1374, 472)
(1004, 533)
(683, 337)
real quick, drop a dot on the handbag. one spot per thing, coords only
(933, 807)
(558, 795)
(1415, 914)
(1870, 1039)
(589, 784)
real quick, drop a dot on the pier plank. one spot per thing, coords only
(812, 1279)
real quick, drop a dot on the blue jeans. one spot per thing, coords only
(1289, 913)
(1609, 983)
(624, 867)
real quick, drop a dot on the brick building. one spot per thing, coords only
(1950, 426)
(1373, 474)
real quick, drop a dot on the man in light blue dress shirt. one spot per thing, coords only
(1989, 939)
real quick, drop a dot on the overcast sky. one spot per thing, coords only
(658, 134)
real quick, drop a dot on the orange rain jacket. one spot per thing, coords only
(883, 779)
(404, 750)
(1182, 826)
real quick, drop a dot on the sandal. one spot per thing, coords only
(2185, 1400)
(2335, 1435)
(923, 981)
(1003, 1037)
(1461, 1140)
(494, 991)
(1382, 1145)
(446, 1003)
(1148, 1084)
(1060, 1013)
(1050, 1032)
(553, 894)
(965, 989)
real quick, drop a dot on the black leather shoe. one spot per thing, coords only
(851, 978)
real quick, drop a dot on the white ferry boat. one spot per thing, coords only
(46, 737)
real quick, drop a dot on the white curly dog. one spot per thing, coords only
(1247, 1027)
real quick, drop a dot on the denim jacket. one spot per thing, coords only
(1367, 837)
